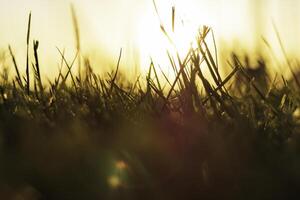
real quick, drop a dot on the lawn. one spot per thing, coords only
(198, 136)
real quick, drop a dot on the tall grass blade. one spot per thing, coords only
(77, 38)
(173, 19)
(69, 70)
(37, 65)
(19, 79)
(116, 73)
(27, 55)
(285, 54)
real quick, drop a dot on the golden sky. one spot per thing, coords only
(108, 25)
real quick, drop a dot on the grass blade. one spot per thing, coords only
(27, 55)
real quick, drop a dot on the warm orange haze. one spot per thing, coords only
(108, 25)
(149, 99)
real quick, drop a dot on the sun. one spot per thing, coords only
(154, 44)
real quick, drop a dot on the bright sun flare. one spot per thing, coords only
(154, 44)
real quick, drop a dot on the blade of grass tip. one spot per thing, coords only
(159, 93)
(69, 70)
(60, 70)
(224, 82)
(140, 87)
(120, 93)
(257, 90)
(173, 85)
(272, 53)
(60, 75)
(285, 54)
(272, 85)
(156, 10)
(27, 54)
(274, 80)
(35, 87)
(215, 47)
(207, 62)
(162, 27)
(196, 61)
(183, 72)
(188, 56)
(103, 87)
(185, 61)
(14, 86)
(176, 72)
(173, 19)
(103, 92)
(206, 30)
(284, 81)
(172, 62)
(157, 14)
(164, 75)
(167, 35)
(37, 65)
(96, 86)
(25, 80)
(116, 73)
(68, 66)
(149, 77)
(77, 38)
(89, 72)
(132, 89)
(19, 79)
(156, 76)
(212, 61)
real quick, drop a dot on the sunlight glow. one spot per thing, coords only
(133, 25)
(154, 44)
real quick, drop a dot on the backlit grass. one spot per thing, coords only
(197, 136)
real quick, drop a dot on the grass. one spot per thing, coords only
(199, 136)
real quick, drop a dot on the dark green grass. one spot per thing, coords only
(200, 136)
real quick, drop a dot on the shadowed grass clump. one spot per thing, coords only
(199, 136)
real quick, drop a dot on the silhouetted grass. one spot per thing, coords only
(199, 136)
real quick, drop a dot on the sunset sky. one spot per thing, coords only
(108, 25)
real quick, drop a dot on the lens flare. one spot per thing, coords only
(114, 181)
